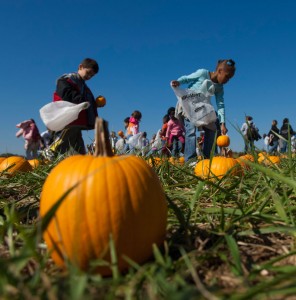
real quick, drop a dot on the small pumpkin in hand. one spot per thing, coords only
(223, 141)
(118, 197)
(101, 101)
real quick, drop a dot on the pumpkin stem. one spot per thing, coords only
(102, 141)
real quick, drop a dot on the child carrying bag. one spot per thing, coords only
(196, 105)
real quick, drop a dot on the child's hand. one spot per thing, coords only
(175, 83)
(224, 130)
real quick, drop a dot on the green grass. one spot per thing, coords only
(231, 239)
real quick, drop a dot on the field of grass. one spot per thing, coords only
(227, 239)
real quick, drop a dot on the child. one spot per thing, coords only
(225, 70)
(113, 140)
(164, 150)
(30, 132)
(72, 87)
(286, 133)
(133, 129)
(134, 123)
(144, 144)
(175, 133)
(120, 144)
(273, 137)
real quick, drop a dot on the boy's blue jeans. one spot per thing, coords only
(190, 141)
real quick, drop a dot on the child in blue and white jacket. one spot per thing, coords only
(225, 70)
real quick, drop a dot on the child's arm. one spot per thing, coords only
(191, 77)
(168, 131)
(221, 110)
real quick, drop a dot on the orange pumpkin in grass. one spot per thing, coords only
(155, 161)
(2, 158)
(217, 168)
(223, 141)
(181, 160)
(14, 164)
(34, 163)
(243, 158)
(177, 161)
(202, 168)
(269, 160)
(118, 196)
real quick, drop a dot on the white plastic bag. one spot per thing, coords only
(57, 115)
(197, 104)
(136, 141)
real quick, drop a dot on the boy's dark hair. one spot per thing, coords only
(91, 64)
(126, 120)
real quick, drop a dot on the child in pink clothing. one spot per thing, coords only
(29, 131)
(175, 133)
(134, 122)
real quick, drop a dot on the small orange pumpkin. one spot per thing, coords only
(120, 133)
(181, 160)
(269, 160)
(13, 164)
(223, 141)
(155, 161)
(34, 162)
(243, 158)
(118, 196)
(101, 101)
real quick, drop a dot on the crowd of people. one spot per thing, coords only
(277, 140)
(180, 124)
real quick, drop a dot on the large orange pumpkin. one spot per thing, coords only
(223, 141)
(218, 167)
(118, 196)
(13, 164)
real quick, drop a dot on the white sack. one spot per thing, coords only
(197, 104)
(57, 115)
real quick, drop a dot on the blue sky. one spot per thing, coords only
(141, 46)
